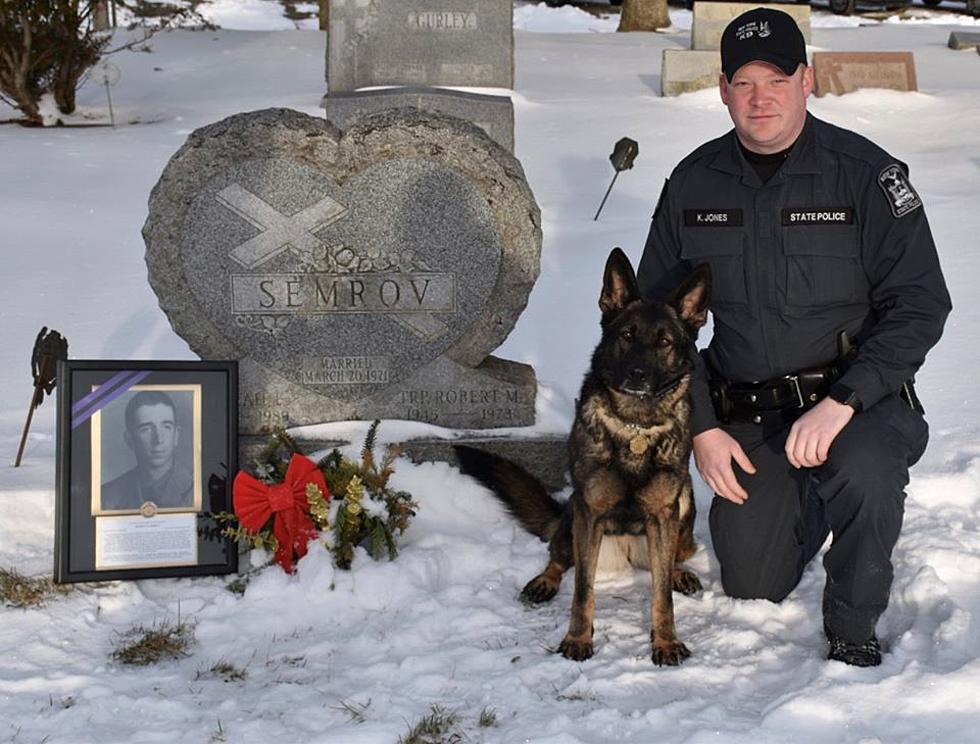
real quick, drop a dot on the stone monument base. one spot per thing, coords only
(495, 393)
(546, 457)
(493, 114)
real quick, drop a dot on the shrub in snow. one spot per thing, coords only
(46, 46)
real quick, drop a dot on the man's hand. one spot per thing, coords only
(811, 436)
(714, 451)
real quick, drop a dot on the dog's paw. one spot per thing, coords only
(685, 582)
(576, 649)
(669, 653)
(539, 589)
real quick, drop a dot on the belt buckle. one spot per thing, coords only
(795, 379)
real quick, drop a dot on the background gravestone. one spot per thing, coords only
(354, 275)
(686, 70)
(710, 19)
(963, 40)
(844, 72)
(420, 42)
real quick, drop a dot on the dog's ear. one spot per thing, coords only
(619, 286)
(691, 299)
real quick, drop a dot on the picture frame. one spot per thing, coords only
(147, 452)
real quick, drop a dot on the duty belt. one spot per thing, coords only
(771, 401)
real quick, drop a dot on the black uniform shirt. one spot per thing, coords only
(836, 240)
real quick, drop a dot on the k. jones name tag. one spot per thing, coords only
(712, 217)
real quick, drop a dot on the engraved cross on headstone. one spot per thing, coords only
(279, 231)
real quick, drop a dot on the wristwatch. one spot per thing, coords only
(845, 395)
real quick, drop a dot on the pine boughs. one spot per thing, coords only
(363, 509)
(349, 522)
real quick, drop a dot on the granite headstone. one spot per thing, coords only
(354, 274)
(844, 72)
(687, 70)
(420, 42)
(963, 40)
(710, 19)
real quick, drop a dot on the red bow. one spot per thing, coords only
(255, 502)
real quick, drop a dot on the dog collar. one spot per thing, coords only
(661, 392)
(639, 437)
(665, 390)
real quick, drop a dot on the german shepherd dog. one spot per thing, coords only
(629, 450)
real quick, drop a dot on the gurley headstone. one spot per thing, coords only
(358, 274)
(420, 42)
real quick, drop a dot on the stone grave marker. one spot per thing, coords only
(420, 42)
(710, 19)
(686, 70)
(354, 274)
(844, 72)
(963, 40)
(493, 114)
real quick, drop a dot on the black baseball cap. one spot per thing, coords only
(762, 35)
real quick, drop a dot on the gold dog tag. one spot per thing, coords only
(639, 444)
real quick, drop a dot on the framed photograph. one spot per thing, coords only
(147, 452)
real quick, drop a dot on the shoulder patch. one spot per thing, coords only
(898, 191)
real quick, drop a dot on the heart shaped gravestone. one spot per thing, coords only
(358, 274)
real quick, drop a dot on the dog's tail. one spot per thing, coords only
(524, 495)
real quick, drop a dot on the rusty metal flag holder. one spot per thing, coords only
(49, 348)
(622, 159)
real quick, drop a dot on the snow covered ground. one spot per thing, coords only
(442, 624)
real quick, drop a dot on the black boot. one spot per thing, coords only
(865, 654)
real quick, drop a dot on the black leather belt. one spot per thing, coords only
(771, 401)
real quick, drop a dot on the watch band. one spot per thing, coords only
(845, 395)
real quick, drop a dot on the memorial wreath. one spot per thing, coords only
(292, 500)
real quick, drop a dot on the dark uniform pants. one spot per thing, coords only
(764, 544)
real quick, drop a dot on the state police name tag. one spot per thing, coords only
(712, 218)
(901, 196)
(818, 216)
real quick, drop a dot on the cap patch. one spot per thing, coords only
(901, 196)
(753, 28)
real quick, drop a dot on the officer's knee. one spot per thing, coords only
(865, 482)
(873, 458)
(758, 585)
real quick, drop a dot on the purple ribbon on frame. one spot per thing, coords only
(107, 392)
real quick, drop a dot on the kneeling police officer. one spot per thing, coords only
(827, 295)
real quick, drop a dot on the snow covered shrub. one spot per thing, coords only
(46, 46)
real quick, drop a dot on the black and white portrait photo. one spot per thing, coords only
(146, 450)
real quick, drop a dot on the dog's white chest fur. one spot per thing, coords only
(619, 551)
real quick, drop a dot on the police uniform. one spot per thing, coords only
(837, 240)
